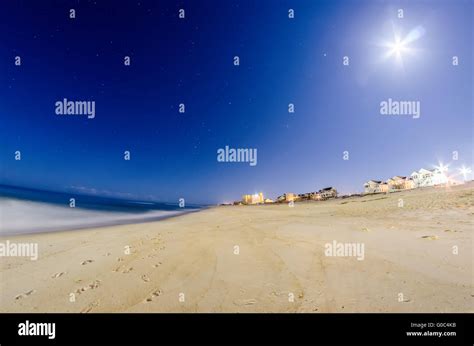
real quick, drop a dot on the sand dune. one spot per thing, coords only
(260, 259)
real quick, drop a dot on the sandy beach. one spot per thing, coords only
(268, 258)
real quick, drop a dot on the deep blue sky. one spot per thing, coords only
(191, 61)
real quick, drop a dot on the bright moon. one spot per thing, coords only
(399, 47)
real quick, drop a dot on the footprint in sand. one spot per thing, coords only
(156, 265)
(24, 295)
(91, 306)
(120, 259)
(242, 302)
(57, 275)
(145, 278)
(156, 293)
(95, 284)
(86, 262)
(279, 294)
(430, 237)
(123, 269)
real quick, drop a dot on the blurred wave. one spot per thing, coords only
(25, 211)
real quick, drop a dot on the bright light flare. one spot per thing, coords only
(465, 171)
(398, 46)
(442, 168)
(414, 34)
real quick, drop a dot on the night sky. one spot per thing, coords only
(191, 61)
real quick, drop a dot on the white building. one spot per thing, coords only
(428, 177)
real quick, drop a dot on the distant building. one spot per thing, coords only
(256, 198)
(328, 192)
(372, 186)
(396, 183)
(383, 187)
(409, 184)
(425, 177)
(305, 196)
(309, 196)
(288, 197)
(400, 183)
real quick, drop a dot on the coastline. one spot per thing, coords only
(104, 224)
(189, 263)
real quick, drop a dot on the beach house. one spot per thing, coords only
(421, 178)
(372, 186)
(383, 187)
(400, 183)
(428, 177)
(315, 196)
(304, 196)
(288, 197)
(409, 184)
(328, 192)
(256, 198)
(396, 183)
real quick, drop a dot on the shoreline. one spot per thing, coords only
(104, 224)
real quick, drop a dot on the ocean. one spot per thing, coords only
(25, 210)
